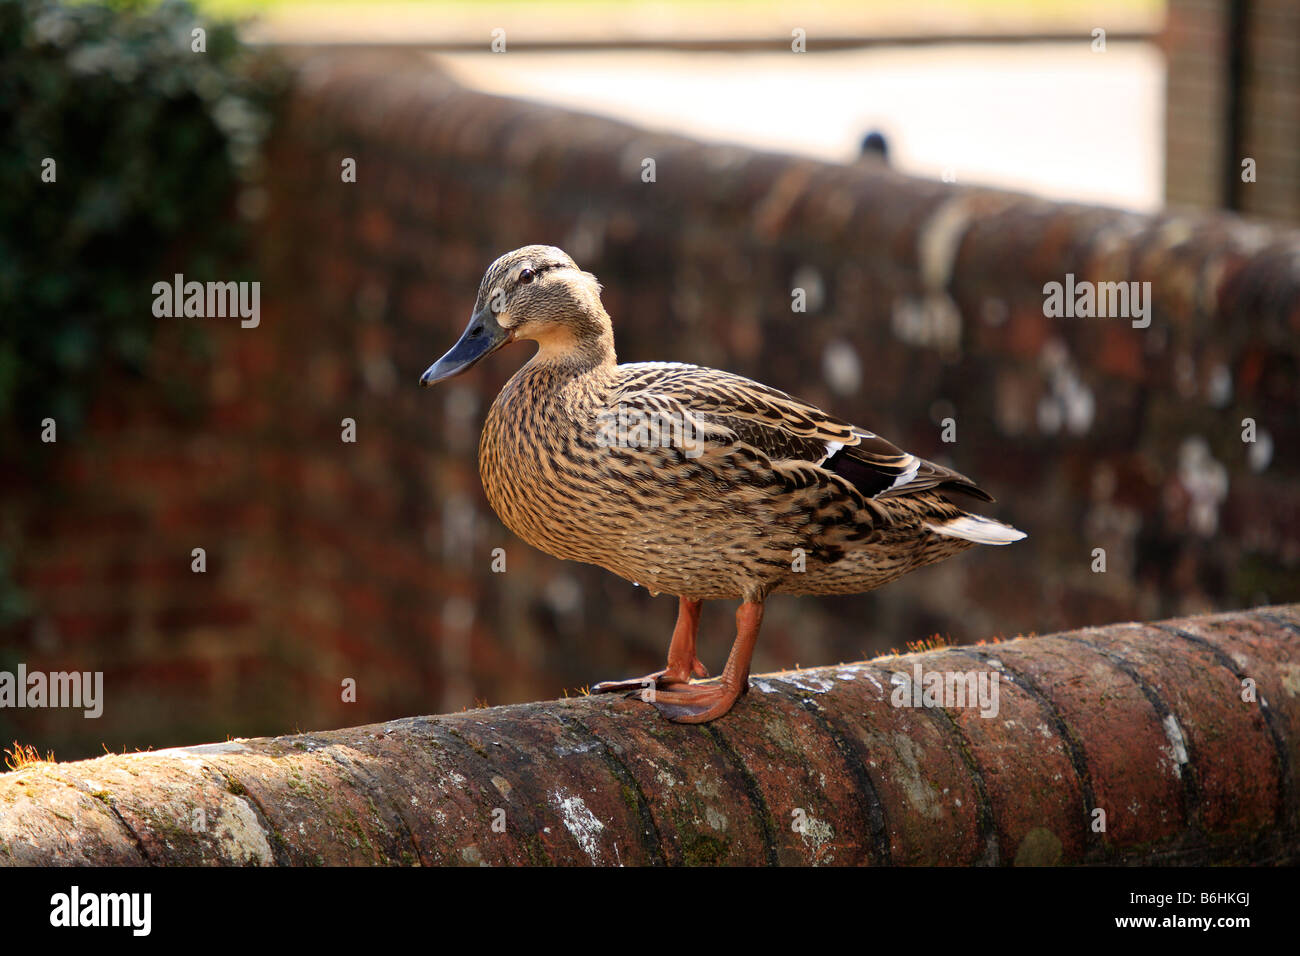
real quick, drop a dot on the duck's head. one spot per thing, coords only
(535, 293)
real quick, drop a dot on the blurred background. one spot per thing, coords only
(920, 170)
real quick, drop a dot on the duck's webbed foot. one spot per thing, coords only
(687, 703)
(682, 662)
(696, 703)
(668, 677)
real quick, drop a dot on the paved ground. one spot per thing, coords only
(1056, 120)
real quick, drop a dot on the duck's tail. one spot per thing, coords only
(979, 529)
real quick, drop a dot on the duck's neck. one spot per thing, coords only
(563, 357)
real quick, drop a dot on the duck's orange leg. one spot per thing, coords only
(700, 703)
(682, 662)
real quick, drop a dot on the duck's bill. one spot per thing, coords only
(481, 338)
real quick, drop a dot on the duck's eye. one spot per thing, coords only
(527, 276)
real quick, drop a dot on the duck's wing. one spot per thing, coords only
(790, 432)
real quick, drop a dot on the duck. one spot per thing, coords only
(689, 481)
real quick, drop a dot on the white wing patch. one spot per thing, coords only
(831, 448)
(906, 476)
(979, 529)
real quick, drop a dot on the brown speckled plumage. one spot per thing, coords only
(749, 492)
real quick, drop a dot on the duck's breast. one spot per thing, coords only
(539, 476)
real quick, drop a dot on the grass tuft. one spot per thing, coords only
(24, 756)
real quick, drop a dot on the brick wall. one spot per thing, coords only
(370, 560)
(1196, 101)
(1200, 95)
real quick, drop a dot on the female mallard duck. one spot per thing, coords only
(688, 480)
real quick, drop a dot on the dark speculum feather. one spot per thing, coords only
(868, 479)
(877, 477)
